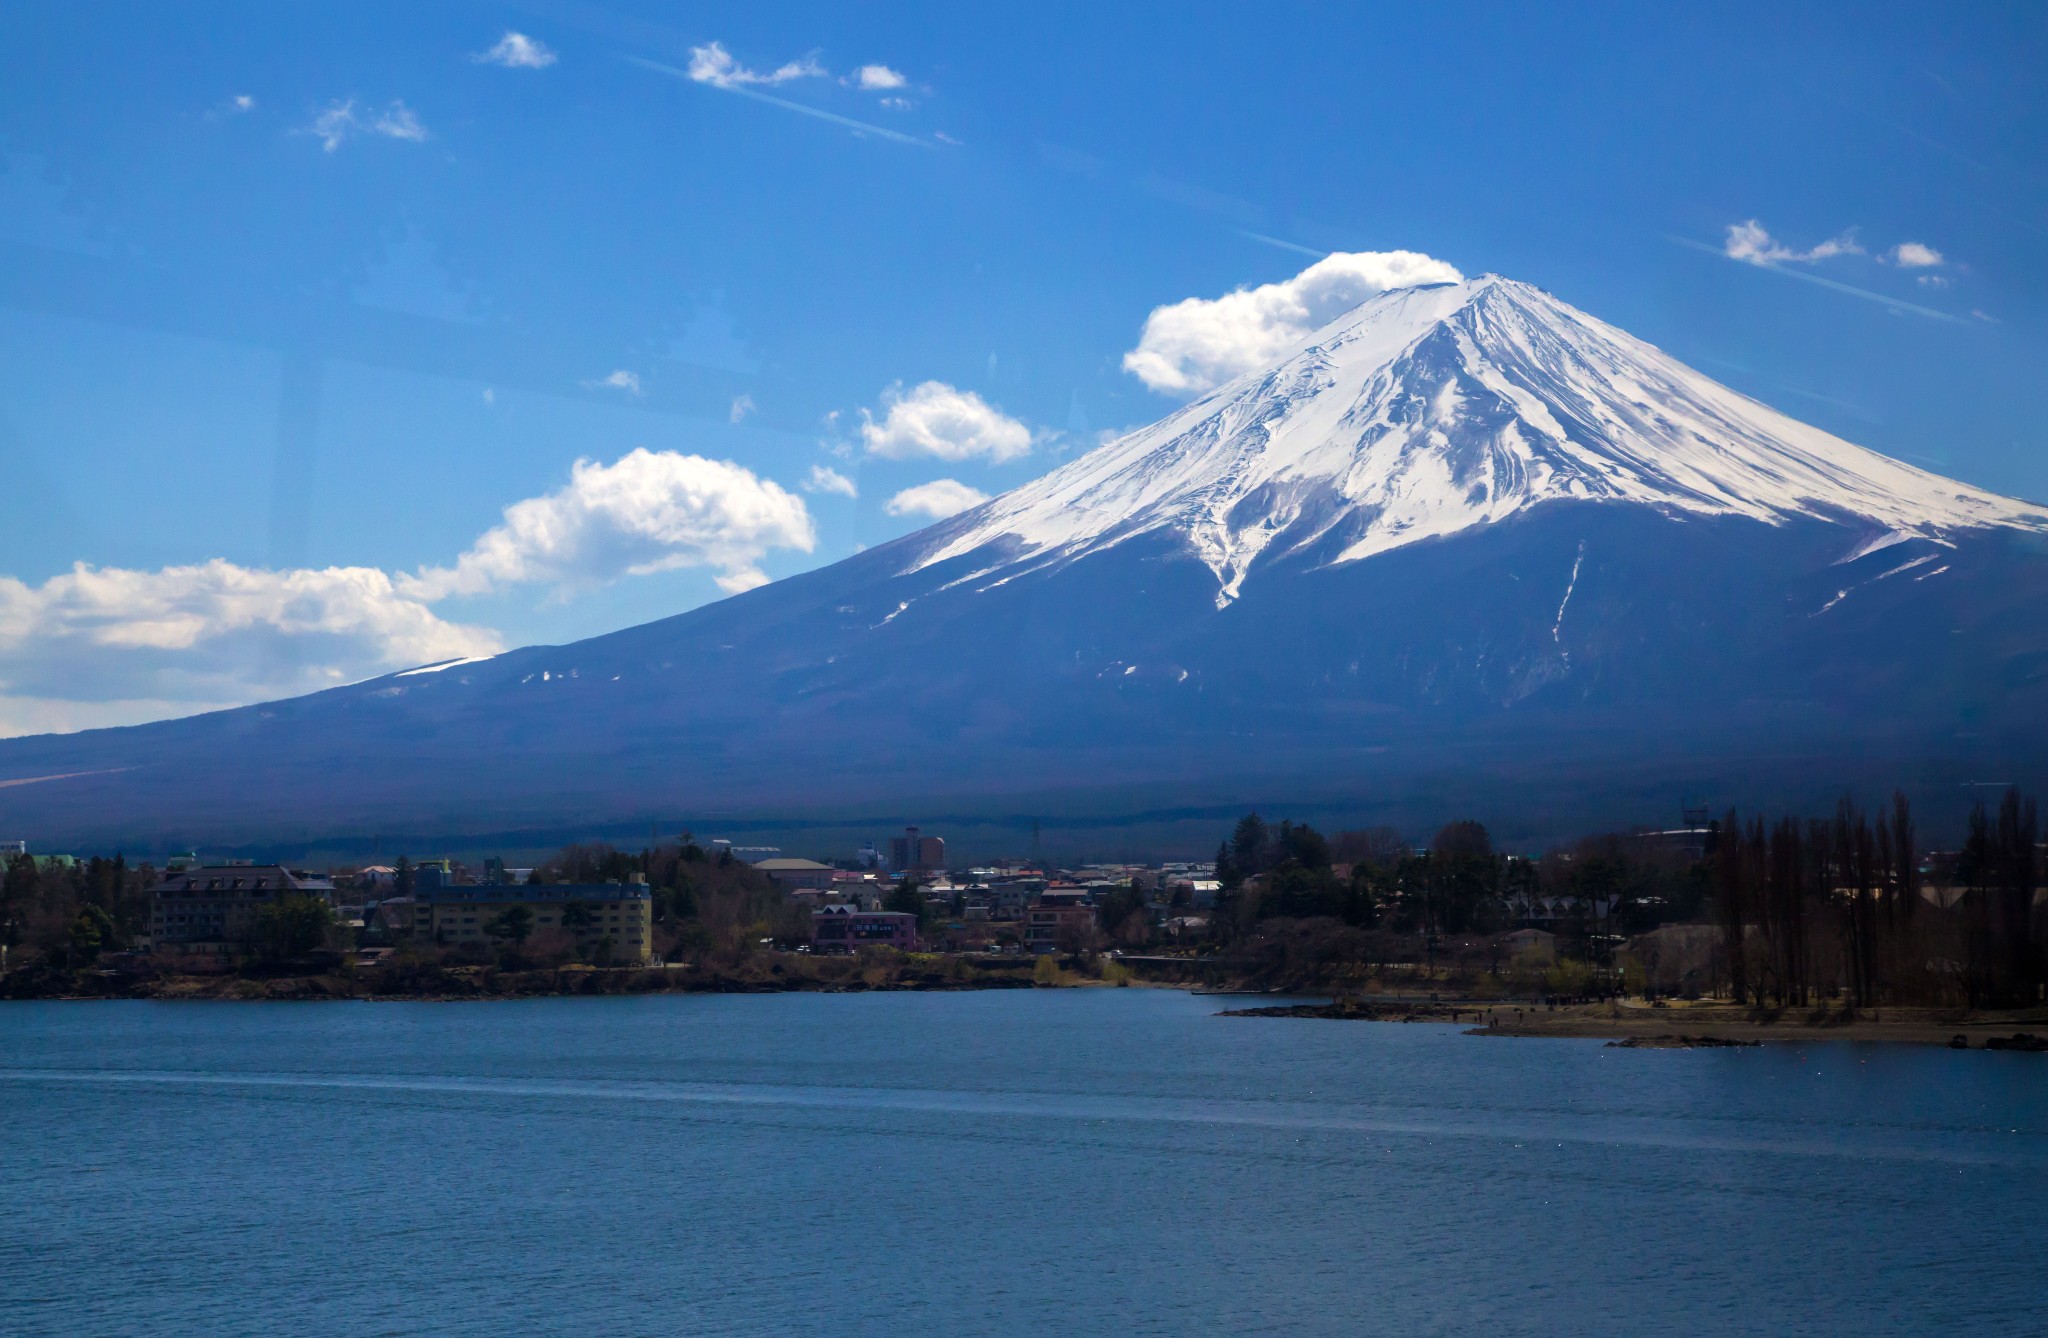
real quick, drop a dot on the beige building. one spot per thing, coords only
(792, 874)
(621, 914)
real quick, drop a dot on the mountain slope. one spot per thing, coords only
(1464, 549)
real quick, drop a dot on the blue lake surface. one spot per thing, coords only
(1016, 1162)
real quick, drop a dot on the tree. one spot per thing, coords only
(1363, 897)
(1228, 875)
(1463, 872)
(291, 926)
(514, 923)
(577, 917)
(1248, 845)
(90, 932)
(1303, 845)
(17, 894)
(1123, 914)
(402, 879)
(907, 898)
(1732, 904)
(1299, 893)
(1380, 847)
(2009, 876)
(1905, 858)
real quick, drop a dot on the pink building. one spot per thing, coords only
(843, 929)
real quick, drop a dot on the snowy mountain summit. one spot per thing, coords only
(1426, 411)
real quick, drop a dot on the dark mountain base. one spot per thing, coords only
(1112, 704)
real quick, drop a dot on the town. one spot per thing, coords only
(598, 907)
(1848, 913)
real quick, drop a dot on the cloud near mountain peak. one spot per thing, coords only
(1194, 345)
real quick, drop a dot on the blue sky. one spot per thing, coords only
(295, 300)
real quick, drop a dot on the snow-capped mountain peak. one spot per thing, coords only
(1425, 411)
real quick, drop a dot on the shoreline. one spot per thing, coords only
(479, 983)
(1670, 1024)
(1679, 1025)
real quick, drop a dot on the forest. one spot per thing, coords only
(1851, 906)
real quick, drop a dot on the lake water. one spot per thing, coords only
(1019, 1162)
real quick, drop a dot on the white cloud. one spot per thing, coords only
(240, 104)
(649, 512)
(877, 79)
(1198, 344)
(938, 499)
(1748, 241)
(712, 67)
(1932, 280)
(944, 423)
(618, 380)
(899, 104)
(742, 405)
(341, 120)
(713, 64)
(517, 51)
(1915, 255)
(109, 645)
(335, 124)
(825, 479)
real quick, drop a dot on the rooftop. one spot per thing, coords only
(496, 892)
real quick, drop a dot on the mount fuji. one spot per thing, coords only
(1464, 548)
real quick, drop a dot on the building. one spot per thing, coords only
(1009, 898)
(496, 871)
(211, 909)
(791, 874)
(388, 921)
(1060, 917)
(843, 929)
(864, 890)
(915, 853)
(620, 915)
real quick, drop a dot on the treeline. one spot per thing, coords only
(1851, 906)
(1457, 884)
(68, 914)
(1837, 906)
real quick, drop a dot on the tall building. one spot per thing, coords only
(915, 853)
